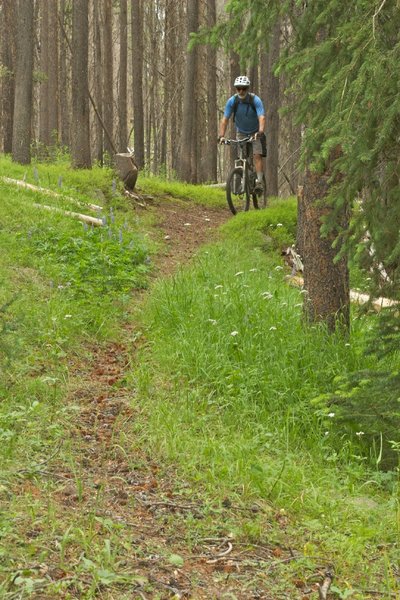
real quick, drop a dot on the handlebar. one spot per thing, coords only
(250, 138)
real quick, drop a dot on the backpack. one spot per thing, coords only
(249, 102)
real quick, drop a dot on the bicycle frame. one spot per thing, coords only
(244, 160)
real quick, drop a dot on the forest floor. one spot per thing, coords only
(142, 503)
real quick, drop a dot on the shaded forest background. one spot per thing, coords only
(145, 90)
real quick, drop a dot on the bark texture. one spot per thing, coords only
(21, 143)
(80, 100)
(137, 81)
(272, 104)
(325, 281)
(185, 163)
(7, 58)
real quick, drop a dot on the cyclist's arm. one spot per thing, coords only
(222, 126)
(261, 124)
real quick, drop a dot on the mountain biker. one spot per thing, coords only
(249, 117)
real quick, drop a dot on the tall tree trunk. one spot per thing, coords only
(21, 143)
(234, 65)
(108, 83)
(53, 72)
(98, 83)
(272, 114)
(212, 117)
(44, 131)
(184, 166)
(325, 281)
(7, 58)
(123, 74)
(80, 98)
(65, 112)
(137, 80)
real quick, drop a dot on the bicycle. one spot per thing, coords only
(241, 180)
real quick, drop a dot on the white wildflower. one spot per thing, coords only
(234, 333)
(239, 273)
(212, 321)
(278, 268)
(279, 225)
(347, 345)
(331, 415)
(267, 295)
(360, 433)
(67, 316)
(218, 287)
(272, 328)
(253, 270)
(326, 432)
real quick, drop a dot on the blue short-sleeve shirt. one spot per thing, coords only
(246, 118)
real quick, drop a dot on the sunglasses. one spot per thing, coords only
(242, 89)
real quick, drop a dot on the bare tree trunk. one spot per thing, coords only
(212, 117)
(53, 72)
(80, 98)
(272, 114)
(326, 281)
(7, 58)
(21, 143)
(137, 81)
(185, 162)
(235, 72)
(108, 84)
(123, 74)
(65, 123)
(44, 131)
(98, 147)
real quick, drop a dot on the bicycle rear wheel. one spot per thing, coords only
(261, 200)
(238, 198)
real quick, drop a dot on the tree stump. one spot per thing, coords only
(127, 169)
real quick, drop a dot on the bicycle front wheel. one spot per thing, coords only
(260, 201)
(237, 193)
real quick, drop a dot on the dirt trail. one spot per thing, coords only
(121, 484)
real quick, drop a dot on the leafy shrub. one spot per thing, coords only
(104, 260)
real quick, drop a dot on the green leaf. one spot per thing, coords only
(176, 560)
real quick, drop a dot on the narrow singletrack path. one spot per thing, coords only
(121, 499)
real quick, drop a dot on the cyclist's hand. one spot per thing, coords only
(221, 139)
(260, 134)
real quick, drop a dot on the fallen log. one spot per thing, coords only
(48, 192)
(355, 297)
(84, 218)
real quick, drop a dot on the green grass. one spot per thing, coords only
(232, 388)
(63, 285)
(199, 194)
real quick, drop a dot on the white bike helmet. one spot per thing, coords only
(242, 80)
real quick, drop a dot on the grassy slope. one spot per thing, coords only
(234, 378)
(232, 410)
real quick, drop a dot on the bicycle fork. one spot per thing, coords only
(240, 181)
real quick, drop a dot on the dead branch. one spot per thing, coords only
(85, 218)
(48, 192)
(323, 589)
(221, 555)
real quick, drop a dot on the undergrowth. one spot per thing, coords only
(233, 384)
